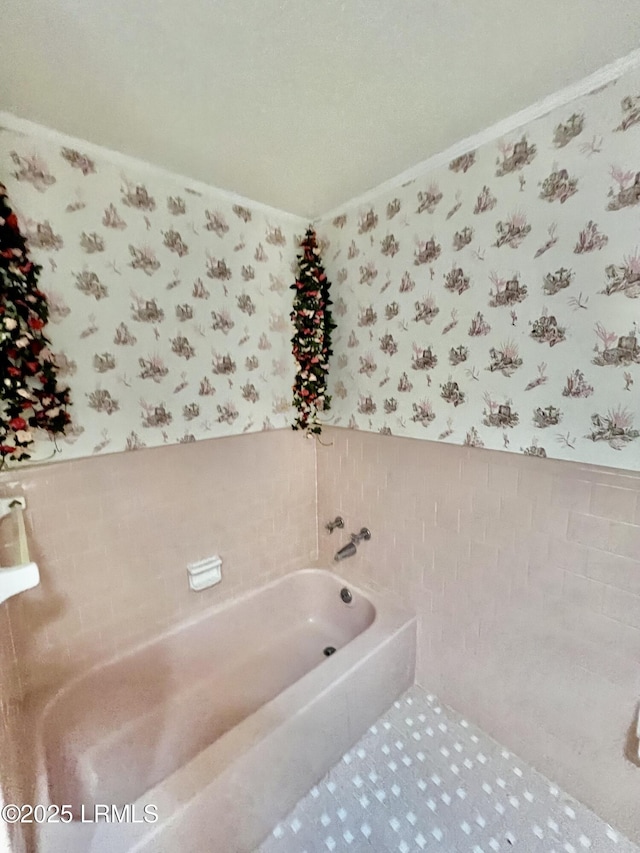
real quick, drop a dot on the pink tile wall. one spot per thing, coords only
(526, 577)
(525, 573)
(112, 537)
(12, 732)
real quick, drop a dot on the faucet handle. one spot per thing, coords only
(337, 522)
(365, 534)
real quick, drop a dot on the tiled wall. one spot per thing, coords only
(13, 770)
(526, 577)
(492, 301)
(112, 537)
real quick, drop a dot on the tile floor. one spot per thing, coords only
(425, 779)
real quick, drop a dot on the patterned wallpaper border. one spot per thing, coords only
(249, 261)
(169, 305)
(9, 122)
(603, 76)
(494, 301)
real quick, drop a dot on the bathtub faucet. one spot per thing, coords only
(346, 551)
(337, 522)
(350, 549)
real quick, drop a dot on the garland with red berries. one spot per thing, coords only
(30, 398)
(312, 339)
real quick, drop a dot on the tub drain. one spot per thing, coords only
(329, 650)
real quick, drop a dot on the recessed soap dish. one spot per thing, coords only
(205, 573)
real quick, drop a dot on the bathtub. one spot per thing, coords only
(212, 732)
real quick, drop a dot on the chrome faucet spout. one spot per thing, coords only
(347, 550)
(351, 549)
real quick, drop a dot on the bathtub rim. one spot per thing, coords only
(188, 781)
(385, 615)
(254, 736)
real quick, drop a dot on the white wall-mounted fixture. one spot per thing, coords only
(205, 573)
(22, 573)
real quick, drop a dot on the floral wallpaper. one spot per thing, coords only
(169, 307)
(492, 302)
(496, 302)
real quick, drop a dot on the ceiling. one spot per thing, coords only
(301, 104)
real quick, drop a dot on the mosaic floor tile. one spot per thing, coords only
(425, 779)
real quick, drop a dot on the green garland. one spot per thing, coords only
(312, 339)
(30, 398)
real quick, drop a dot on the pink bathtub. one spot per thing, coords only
(223, 723)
